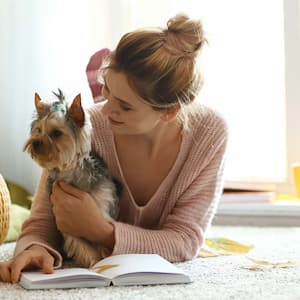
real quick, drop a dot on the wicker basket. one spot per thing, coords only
(4, 209)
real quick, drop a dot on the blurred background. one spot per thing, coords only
(251, 67)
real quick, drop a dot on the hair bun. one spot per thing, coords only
(185, 34)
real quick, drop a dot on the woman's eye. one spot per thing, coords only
(125, 108)
(106, 94)
(55, 133)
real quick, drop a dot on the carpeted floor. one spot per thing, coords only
(214, 278)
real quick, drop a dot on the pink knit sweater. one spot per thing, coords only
(173, 223)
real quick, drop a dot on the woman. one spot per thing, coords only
(165, 149)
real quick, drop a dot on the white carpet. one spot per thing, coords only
(215, 278)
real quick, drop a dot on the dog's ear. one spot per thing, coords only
(41, 108)
(76, 111)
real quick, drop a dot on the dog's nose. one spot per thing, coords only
(36, 144)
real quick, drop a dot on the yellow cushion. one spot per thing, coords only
(4, 209)
(18, 215)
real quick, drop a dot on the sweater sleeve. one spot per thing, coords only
(40, 228)
(183, 233)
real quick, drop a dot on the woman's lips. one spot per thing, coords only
(114, 122)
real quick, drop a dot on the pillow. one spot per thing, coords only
(18, 215)
(19, 211)
(19, 195)
(92, 69)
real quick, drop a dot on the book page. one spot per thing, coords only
(63, 278)
(135, 263)
(60, 275)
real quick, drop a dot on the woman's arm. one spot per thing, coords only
(34, 256)
(183, 233)
(178, 239)
(77, 214)
(40, 228)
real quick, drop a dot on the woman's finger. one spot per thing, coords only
(57, 193)
(71, 190)
(5, 274)
(47, 263)
(18, 264)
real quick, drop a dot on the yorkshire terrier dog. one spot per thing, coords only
(60, 141)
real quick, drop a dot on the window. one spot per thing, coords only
(246, 67)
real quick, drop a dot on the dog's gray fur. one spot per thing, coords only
(68, 157)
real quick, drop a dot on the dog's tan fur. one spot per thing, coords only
(60, 142)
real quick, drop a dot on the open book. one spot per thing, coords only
(126, 269)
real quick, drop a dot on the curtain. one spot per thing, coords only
(46, 45)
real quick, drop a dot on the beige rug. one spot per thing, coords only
(215, 278)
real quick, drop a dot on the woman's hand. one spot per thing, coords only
(78, 215)
(34, 257)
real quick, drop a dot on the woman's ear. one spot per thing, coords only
(170, 113)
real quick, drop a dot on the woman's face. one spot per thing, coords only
(125, 110)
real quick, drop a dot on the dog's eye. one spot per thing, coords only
(55, 133)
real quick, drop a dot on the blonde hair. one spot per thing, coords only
(160, 64)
